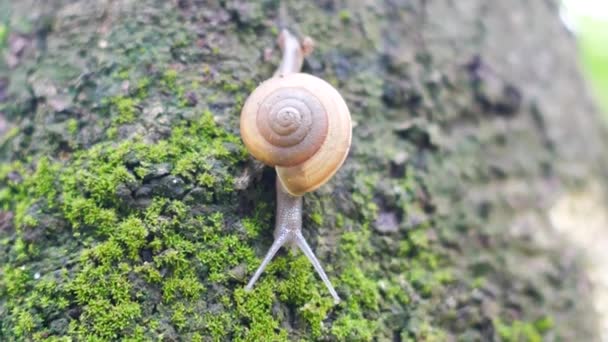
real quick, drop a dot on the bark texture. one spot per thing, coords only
(129, 208)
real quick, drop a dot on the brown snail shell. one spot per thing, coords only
(299, 124)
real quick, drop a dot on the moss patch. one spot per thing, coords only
(131, 255)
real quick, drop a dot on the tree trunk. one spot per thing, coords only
(130, 209)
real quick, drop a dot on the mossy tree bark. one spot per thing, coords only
(129, 208)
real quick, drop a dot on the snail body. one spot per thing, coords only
(299, 124)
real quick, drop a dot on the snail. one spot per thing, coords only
(299, 124)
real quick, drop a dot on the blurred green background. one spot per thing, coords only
(594, 50)
(589, 20)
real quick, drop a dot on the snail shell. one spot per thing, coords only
(299, 124)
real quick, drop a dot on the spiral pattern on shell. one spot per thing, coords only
(294, 124)
(301, 125)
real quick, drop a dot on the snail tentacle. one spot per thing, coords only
(276, 245)
(305, 248)
(293, 52)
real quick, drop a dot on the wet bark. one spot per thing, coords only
(471, 120)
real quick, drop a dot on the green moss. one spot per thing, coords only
(84, 194)
(101, 319)
(112, 132)
(25, 323)
(196, 337)
(21, 196)
(188, 164)
(43, 181)
(170, 79)
(105, 293)
(28, 221)
(251, 226)
(231, 87)
(300, 282)
(132, 234)
(223, 253)
(365, 290)
(544, 324)
(125, 107)
(256, 307)
(72, 126)
(84, 212)
(171, 83)
(317, 218)
(345, 16)
(424, 331)
(206, 180)
(142, 88)
(3, 36)
(184, 285)
(315, 311)
(520, 331)
(14, 281)
(150, 273)
(123, 74)
(217, 326)
(179, 315)
(349, 328)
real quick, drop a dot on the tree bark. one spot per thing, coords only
(129, 208)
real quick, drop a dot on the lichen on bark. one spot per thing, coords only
(129, 208)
